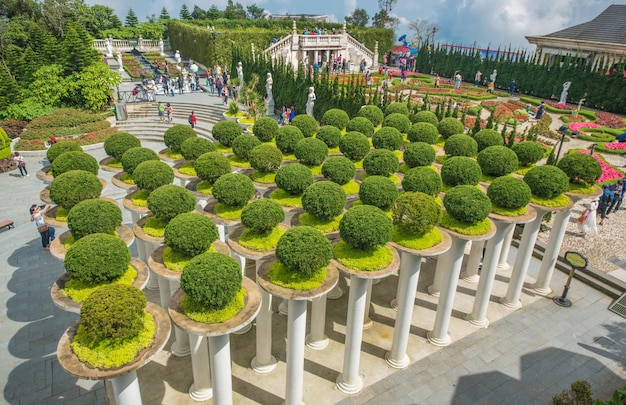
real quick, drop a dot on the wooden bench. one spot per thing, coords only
(7, 223)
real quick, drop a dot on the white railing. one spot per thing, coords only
(280, 45)
(123, 45)
(307, 41)
(360, 47)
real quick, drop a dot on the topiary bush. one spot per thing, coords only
(378, 191)
(397, 107)
(528, 152)
(460, 145)
(373, 113)
(304, 250)
(426, 116)
(5, 144)
(311, 151)
(261, 216)
(580, 167)
(225, 132)
(364, 227)
(265, 128)
(497, 161)
(97, 258)
(266, 158)
(233, 189)
(324, 199)
(211, 166)
(134, 156)
(418, 154)
(509, 192)
(467, 204)
(294, 178)
(354, 145)
(460, 170)
(93, 216)
(152, 174)
(360, 124)
(415, 213)
(192, 148)
(211, 280)
(547, 181)
(74, 161)
(450, 126)
(287, 137)
(335, 117)
(176, 135)
(114, 312)
(305, 123)
(116, 144)
(398, 121)
(243, 145)
(190, 234)
(166, 202)
(488, 137)
(422, 179)
(60, 148)
(329, 135)
(338, 169)
(423, 132)
(381, 162)
(70, 188)
(387, 138)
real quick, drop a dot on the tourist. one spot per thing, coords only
(292, 114)
(587, 219)
(512, 87)
(37, 211)
(161, 109)
(170, 112)
(457, 81)
(477, 77)
(540, 110)
(606, 199)
(618, 191)
(490, 86)
(437, 79)
(21, 164)
(192, 120)
(225, 95)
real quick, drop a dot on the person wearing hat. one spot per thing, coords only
(37, 211)
(587, 219)
(606, 199)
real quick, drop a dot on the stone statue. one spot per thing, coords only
(493, 76)
(240, 73)
(563, 98)
(109, 47)
(119, 62)
(161, 47)
(310, 101)
(269, 98)
(177, 57)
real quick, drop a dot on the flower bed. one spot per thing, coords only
(577, 126)
(609, 173)
(610, 120)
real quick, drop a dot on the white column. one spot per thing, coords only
(555, 240)
(201, 389)
(149, 248)
(317, 339)
(506, 247)
(182, 182)
(221, 230)
(126, 389)
(283, 307)
(335, 293)
(263, 362)
(180, 347)
(443, 263)
(349, 381)
(219, 352)
(296, 330)
(135, 216)
(473, 262)
(367, 322)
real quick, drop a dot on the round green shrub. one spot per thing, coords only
(423, 132)
(305, 123)
(509, 192)
(497, 161)
(488, 137)
(365, 227)
(152, 174)
(265, 128)
(74, 161)
(329, 135)
(418, 154)
(354, 145)
(61, 147)
(387, 138)
(93, 216)
(5, 145)
(338, 169)
(166, 202)
(261, 216)
(114, 312)
(233, 189)
(192, 148)
(311, 151)
(243, 145)
(335, 117)
(266, 158)
(225, 132)
(190, 233)
(378, 191)
(304, 250)
(97, 258)
(422, 179)
(450, 126)
(373, 113)
(70, 188)
(580, 167)
(460, 145)
(416, 213)
(426, 116)
(176, 135)
(134, 156)
(397, 107)
(211, 280)
(381, 162)
(294, 178)
(398, 121)
(467, 204)
(211, 165)
(118, 143)
(528, 152)
(547, 181)
(324, 199)
(460, 170)
(360, 124)
(287, 137)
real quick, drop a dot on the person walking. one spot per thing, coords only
(587, 220)
(225, 94)
(21, 164)
(37, 211)
(192, 120)
(170, 112)
(606, 199)
(161, 109)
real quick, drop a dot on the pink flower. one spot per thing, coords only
(608, 171)
(615, 145)
(575, 126)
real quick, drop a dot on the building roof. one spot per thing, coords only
(609, 26)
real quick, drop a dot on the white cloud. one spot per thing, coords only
(349, 6)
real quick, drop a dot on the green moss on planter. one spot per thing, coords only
(261, 243)
(236, 162)
(580, 188)
(264, 178)
(140, 198)
(223, 149)
(127, 178)
(176, 261)
(199, 313)
(173, 155)
(114, 163)
(522, 171)
(285, 199)
(316, 170)
(507, 212)
(280, 275)
(323, 225)
(62, 214)
(204, 187)
(78, 291)
(559, 201)
(351, 187)
(227, 212)
(188, 169)
(365, 260)
(358, 164)
(452, 224)
(408, 240)
(155, 227)
(394, 177)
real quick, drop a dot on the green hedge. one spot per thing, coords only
(93, 216)
(365, 227)
(324, 199)
(152, 174)
(74, 186)
(166, 202)
(190, 233)
(74, 161)
(211, 280)
(233, 189)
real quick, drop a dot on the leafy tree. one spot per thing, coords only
(131, 18)
(423, 29)
(99, 18)
(184, 13)
(76, 48)
(383, 19)
(234, 11)
(198, 13)
(359, 17)
(49, 86)
(255, 12)
(164, 14)
(213, 13)
(93, 85)
(13, 8)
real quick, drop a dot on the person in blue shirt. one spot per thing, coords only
(292, 114)
(622, 137)
(606, 200)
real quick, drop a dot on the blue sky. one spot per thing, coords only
(466, 22)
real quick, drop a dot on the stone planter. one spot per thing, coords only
(58, 250)
(136, 211)
(183, 179)
(104, 165)
(244, 125)
(290, 212)
(163, 156)
(117, 182)
(50, 216)
(43, 174)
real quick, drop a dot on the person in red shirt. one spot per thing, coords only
(192, 120)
